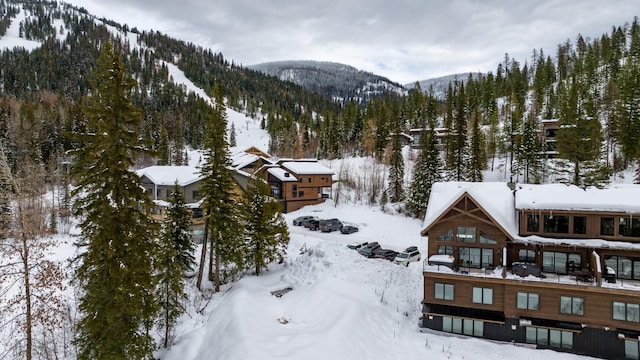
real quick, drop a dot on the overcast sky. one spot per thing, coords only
(404, 40)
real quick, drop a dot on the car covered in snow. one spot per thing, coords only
(349, 229)
(299, 221)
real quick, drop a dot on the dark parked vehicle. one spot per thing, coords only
(411, 249)
(330, 225)
(369, 249)
(349, 229)
(299, 221)
(386, 254)
(312, 224)
(357, 246)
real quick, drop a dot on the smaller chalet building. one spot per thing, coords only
(297, 183)
(159, 182)
(553, 266)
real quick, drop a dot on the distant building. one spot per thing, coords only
(553, 266)
(548, 136)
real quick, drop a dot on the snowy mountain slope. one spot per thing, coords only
(440, 84)
(338, 81)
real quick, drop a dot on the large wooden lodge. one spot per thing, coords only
(551, 266)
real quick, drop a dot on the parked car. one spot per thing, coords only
(329, 225)
(349, 229)
(299, 221)
(368, 250)
(386, 254)
(405, 257)
(312, 224)
(411, 249)
(357, 246)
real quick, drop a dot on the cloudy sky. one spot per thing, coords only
(404, 40)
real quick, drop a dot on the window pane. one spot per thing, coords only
(555, 338)
(606, 226)
(565, 305)
(567, 339)
(533, 223)
(457, 325)
(556, 224)
(543, 336)
(633, 312)
(560, 263)
(548, 261)
(478, 328)
(448, 292)
(531, 335)
(619, 311)
(446, 324)
(448, 236)
(445, 249)
(439, 291)
(487, 257)
(522, 300)
(466, 234)
(468, 327)
(631, 349)
(487, 296)
(486, 239)
(477, 295)
(578, 306)
(579, 224)
(534, 301)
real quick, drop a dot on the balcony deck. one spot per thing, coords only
(552, 278)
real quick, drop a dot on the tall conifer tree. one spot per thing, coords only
(267, 235)
(427, 171)
(117, 240)
(223, 223)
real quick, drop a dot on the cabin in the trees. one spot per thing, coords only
(301, 182)
(553, 266)
(548, 134)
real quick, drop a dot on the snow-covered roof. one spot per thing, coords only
(495, 197)
(307, 168)
(578, 243)
(168, 175)
(617, 198)
(280, 173)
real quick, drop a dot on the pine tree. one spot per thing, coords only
(427, 171)
(528, 156)
(396, 170)
(457, 142)
(223, 227)
(266, 232)
(477, 158)
(117, 239)
(175, 256)
(232, 135)
(178, 230)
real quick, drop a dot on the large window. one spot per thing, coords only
(475, 257)
(466, 234)
(629, 226)
(571, 305)
(625, 267)
(482, 296)
(606, 226)
(448, 236)
(294, 191)
(463, 326)
(549, 337)
(528, 301)
(559, 262)
(444, 291)
(580, 225)
(533, 223)
(626, 311)
(557, 224)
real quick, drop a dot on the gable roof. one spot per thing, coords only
(495, 198)
(169, 175)
(281, 174)
(617, 198)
